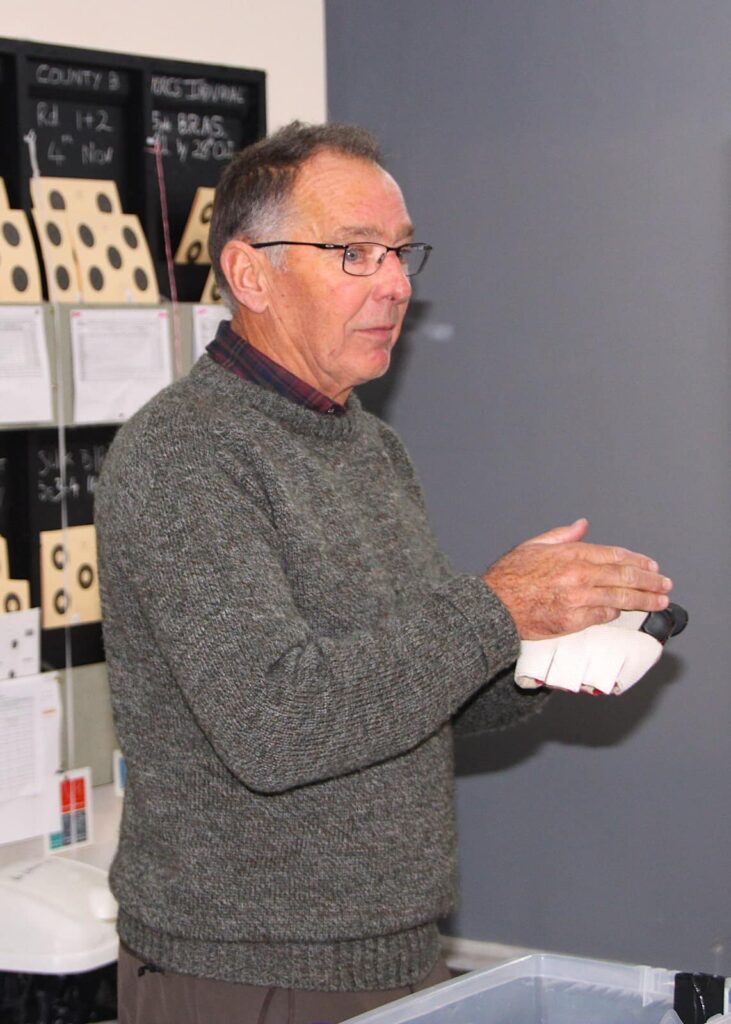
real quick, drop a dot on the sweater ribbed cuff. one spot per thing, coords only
(383, 962)
(491, 622)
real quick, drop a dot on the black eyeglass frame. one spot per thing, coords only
(421, 247)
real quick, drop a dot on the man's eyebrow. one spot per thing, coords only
(355, 232)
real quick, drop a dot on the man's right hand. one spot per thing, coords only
(555, 583)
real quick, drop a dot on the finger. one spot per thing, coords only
(572, 533)
(629, 576)
(626, 599)
(605, 553)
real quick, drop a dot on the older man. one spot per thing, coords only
(288, 648)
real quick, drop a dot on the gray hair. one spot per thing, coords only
(253, 193)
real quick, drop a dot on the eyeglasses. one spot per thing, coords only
(361, 259)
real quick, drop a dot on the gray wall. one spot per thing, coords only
(570, 161)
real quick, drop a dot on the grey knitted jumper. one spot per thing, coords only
(287, 647)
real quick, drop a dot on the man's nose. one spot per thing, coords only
(391, 280)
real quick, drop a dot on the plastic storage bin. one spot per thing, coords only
(541, 989)
(58, 943)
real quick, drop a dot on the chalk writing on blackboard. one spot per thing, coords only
(82, 473)
(186, 135)
(77, 132)
(199, 90)
(67, 76)
(78, 117)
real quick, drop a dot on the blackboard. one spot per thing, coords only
(32, 489)
(199, 122)
(95, 115)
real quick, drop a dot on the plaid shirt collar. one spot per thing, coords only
(240, 357)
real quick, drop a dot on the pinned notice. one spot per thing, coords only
(30, 752)
(25, 382)
(20, 644)
(121, 359)
(206, 319)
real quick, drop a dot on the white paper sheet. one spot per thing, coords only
(25, 382)
(20, 644)
(121, 359)
(205, 324)
(28, 803)
(20, 741)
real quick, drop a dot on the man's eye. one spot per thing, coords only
(355, 254)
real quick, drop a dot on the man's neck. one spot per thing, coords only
(291, 360)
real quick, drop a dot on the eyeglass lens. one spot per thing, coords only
(364, 258)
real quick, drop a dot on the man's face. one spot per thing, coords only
(331, 328)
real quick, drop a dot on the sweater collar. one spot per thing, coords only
(235, 390)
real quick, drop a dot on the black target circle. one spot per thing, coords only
(61, 602)
(11, 234)
(53, 233)
(114, 256)
(96, 279)
(86, 235)
(62, 278)
(56, 200)
(207, 213)
(130, 238)
(20, 279)
(104, 203)
(85, 576)
(11, 603)
(194, 251)
(141, 279)
(58, 556)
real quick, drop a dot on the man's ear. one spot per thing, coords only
(243, 269)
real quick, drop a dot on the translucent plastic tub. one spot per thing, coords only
(542, 989)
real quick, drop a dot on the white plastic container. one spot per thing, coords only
(541, 989)
(57, 916)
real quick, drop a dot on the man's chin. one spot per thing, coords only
(378, 364)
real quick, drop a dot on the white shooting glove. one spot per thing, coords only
(609, 658)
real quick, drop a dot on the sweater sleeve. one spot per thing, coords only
(281, 705)
(498, 705)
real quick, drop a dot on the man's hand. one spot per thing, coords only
(555, 584)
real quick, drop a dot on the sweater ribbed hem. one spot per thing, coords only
(383, 962)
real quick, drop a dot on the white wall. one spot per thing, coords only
(284, 38)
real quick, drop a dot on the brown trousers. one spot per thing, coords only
(161, 997)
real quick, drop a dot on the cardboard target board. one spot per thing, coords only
(20, 279)
(211, 294)
(193, 247)
(114, 261)
(92, 251)
(62, 272)
(69, 578)
(14, 594)
(76, 197)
